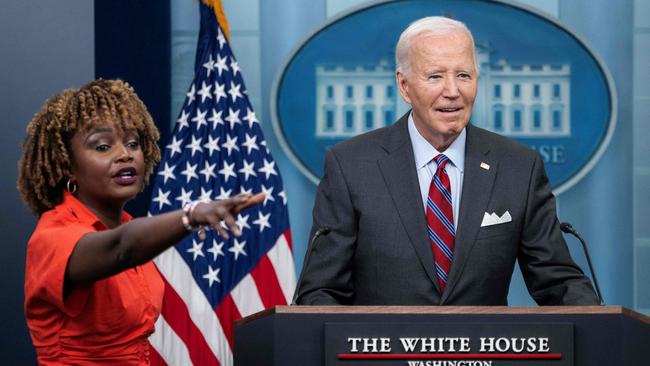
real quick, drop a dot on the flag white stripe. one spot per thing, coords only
(282, 260)
(168, 345)
(246, 297)
(179, 276)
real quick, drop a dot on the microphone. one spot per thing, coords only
(568, 229)
(321, 231)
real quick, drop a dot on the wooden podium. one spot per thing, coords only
(328, 335)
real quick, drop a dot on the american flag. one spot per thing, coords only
(217, 150)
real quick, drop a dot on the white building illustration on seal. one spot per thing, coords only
(353, 100)
(513, 100)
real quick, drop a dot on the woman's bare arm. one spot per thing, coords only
(102, 254)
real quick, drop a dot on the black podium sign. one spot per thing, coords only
(424, 343)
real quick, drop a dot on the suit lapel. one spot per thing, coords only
(477, 187)
(399, 172)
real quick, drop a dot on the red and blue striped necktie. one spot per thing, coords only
(440, 220)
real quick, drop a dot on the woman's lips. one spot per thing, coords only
(125, 176)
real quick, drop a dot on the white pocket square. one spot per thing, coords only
(494, 219)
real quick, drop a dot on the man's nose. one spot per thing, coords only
(450, 88)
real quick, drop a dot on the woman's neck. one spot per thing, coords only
(110, 214)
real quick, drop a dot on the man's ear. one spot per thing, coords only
(402, 85)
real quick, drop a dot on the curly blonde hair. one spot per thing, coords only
(45, 164)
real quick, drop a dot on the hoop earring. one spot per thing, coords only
(71, 186)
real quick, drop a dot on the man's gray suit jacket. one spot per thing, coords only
(378, 251)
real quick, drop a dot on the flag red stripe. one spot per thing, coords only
(227, 313)
(267, 283)
(177, 316)
(287, 236)
(154, 357)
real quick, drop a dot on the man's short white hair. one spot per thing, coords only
(437, 26)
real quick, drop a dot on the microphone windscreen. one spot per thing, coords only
(566, 227)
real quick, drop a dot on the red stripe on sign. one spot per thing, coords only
(177, 316)
(451, 356)
(154, 357)
(267, 283)
(287, 236)
(227, 313)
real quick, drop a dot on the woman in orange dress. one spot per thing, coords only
(92, 294)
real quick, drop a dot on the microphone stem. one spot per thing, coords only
(317, 234)
(591, 268)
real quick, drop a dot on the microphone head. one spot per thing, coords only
(566, 228)
(325, 230)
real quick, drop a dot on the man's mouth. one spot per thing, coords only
(449, 110)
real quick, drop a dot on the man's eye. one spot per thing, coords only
(464, 76)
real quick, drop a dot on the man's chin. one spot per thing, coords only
(453, 129)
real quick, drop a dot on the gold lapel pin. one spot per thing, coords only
(485, 166)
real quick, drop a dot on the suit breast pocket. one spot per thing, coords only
(492, 231)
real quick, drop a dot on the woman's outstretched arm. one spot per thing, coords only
(98, 255)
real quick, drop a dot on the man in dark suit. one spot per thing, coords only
(433, 210)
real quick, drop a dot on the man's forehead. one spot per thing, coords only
(456, 44)
(441, 45)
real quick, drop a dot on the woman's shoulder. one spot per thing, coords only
(57, 226)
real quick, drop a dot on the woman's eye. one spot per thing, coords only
(102, 147)
(133, 144)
